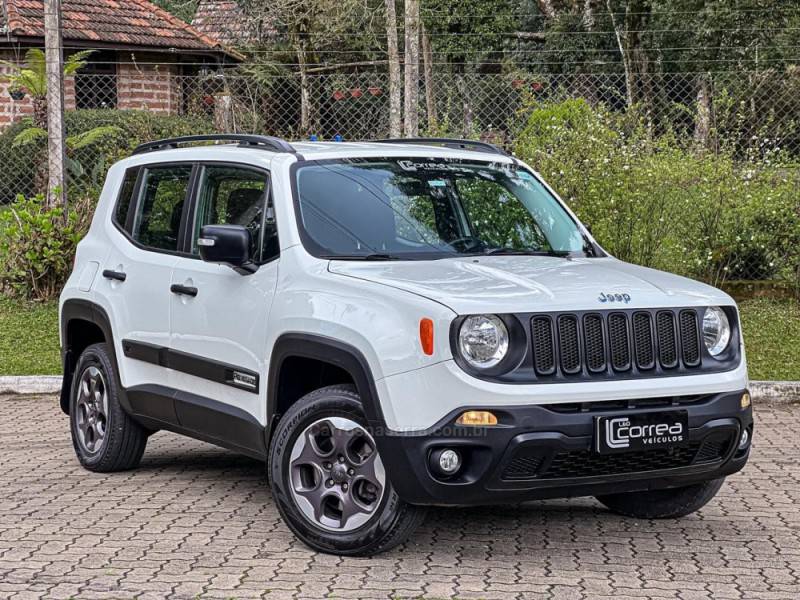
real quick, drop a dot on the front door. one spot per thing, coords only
(219, 317)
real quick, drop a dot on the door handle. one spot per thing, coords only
(116, 275)
(184, 290)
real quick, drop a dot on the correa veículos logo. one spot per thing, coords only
(620, 432)
(611, 297)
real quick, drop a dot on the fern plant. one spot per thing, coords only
(31, 77)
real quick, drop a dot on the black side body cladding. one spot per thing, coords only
(161, 407)
(76, 309)
(328, 350)
(199, 366)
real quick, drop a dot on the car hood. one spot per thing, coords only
(505, 284)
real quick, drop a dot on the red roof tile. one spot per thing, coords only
(128, 22)
(226, 22)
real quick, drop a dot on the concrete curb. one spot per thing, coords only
(772, 392)
(30, 384)
(775, 392)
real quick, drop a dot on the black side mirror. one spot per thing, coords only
(227, 245)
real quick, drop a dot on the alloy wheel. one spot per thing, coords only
(336, 476)
(91, 408)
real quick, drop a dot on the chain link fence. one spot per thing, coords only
(751, 118)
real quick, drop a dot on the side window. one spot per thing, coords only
(125, 196)
(158, 217)
(237, 196)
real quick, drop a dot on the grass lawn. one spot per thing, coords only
(29, 338)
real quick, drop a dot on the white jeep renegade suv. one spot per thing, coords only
(391, 325)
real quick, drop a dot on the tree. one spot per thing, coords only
(31, 78)
(412, 25)
(318, 31)
(466, 38)
(395, 83)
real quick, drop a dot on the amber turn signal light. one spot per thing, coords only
(426, 336)
(477, 418)
(745, 401)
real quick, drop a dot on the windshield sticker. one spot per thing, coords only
(437, 183)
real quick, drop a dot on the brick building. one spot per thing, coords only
(140, 54)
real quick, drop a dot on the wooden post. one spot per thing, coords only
(56, 184)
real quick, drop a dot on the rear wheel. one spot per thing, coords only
(329, 481)
(663, 504)
(105, 438)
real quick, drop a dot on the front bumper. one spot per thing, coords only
(545, 451)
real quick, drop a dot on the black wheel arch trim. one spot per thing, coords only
(329, 350)
(84, 310)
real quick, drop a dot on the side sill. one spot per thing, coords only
(198, 417)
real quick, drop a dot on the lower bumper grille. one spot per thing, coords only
(539, 463)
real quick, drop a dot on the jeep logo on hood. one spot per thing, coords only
(603, 297)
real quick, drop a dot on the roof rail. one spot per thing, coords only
(447, 143)
(264, 142)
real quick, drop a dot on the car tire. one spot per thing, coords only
(359, 514)
(663, 504)
(105, 438)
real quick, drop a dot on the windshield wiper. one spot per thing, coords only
(588, 246)
(372, 256)
(523, 252)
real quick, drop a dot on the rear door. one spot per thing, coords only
(149, 221)
(219, 328)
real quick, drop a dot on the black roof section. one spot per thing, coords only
(264, 142)
(454, 143)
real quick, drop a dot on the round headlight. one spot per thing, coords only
(483, 341)
(716, 330)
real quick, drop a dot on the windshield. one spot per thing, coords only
(429, 208)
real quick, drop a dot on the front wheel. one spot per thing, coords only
(663, 504)
(329, 481)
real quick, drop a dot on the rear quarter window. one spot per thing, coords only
(125, 198)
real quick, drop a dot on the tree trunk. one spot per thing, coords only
(430, 92)
(305, 88)
(412, 68)
(588, 15)
(546, 6)
(630, 94)
(466, 106)
(395, 82)
(56, 145)
(702, 123)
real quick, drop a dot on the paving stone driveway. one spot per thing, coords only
(197, 521)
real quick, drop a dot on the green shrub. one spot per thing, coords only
(653, 202)
(37, 246)
(17, 168)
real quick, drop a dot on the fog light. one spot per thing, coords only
(744, 440)
(477, 418)
(746, 400)
(446, 461)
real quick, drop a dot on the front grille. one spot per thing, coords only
(667, 340)
(544, 359)
(643, 341)
(583, 463)
(537, 463)
(569, 344)
(618, 336)
(614, 343)
(595, 345)
(690, 341)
